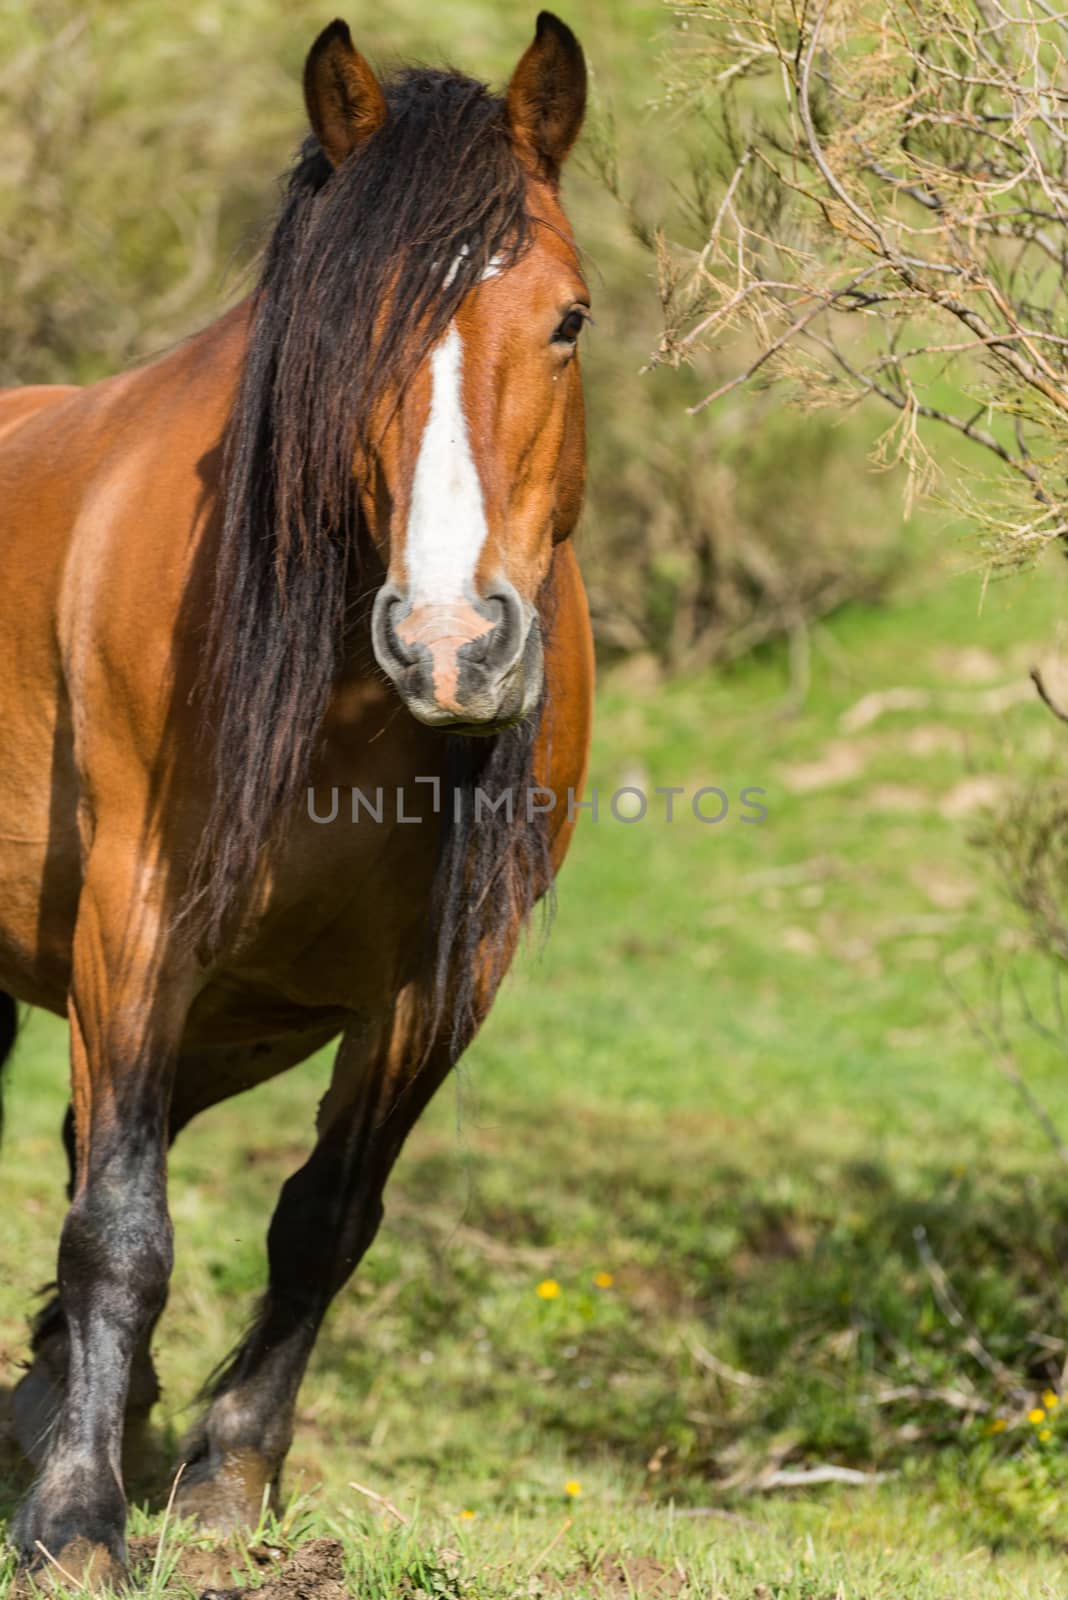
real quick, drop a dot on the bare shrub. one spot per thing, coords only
(891, 226)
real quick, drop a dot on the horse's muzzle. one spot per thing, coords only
(471, 663)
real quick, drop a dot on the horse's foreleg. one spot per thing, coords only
(38, 1398)
(126, 1015)
(327, 1215)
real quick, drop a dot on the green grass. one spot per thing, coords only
(737, 1080)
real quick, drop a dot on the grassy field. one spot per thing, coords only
(728, 1189)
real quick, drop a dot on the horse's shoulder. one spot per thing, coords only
(18, 405)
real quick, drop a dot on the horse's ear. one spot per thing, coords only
(547, 94)
(344, 98)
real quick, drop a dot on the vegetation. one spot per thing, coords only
(892, 227)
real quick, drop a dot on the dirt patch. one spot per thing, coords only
(838, 762)
(623, 1578)
(933, 739)
(946, 890)
(971, 795)
(970, 665)
(800, 942)
(898, 798)
(201, 1567)
(314, 1572)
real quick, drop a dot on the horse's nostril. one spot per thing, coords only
(503, 642)
(386, 618)
(494, 611)
(394, 614)
(388, 613)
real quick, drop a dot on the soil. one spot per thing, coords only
(314, 1572)
(624, 1577)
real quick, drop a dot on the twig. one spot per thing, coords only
(711, 1363)
(163, 1525)
(68, 1577)
(553, 1542)
(805, 1477)
(715, 1511)
(918, 1393)
(968, 430)
(380, 1500)
(1045, 696)
(799, 325)
(1059, 1040)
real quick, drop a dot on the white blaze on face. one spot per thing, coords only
(446, 518)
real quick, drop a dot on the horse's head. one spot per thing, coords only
(477, 462)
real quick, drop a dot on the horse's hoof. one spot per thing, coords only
(228, 1495)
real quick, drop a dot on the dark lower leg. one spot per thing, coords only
(234, 1455)
(327, 1216)
(39, 1396)
(114, 1261)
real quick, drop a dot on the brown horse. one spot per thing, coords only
(321, 547)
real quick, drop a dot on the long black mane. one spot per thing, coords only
(354, 290)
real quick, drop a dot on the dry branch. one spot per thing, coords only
(893, 227)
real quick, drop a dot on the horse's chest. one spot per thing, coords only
(346, 902)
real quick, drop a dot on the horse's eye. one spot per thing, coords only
(571, 326)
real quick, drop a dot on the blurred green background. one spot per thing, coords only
(730, 1188)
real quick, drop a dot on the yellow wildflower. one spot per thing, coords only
(572, 1487)
(1050, 1401)
(998, 1425)
(1036, 1415)
(468, 1516)
(548, 1289)
(1045, 1434)
(603, 1280)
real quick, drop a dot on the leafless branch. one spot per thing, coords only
(1045, 696)
(912, 180)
